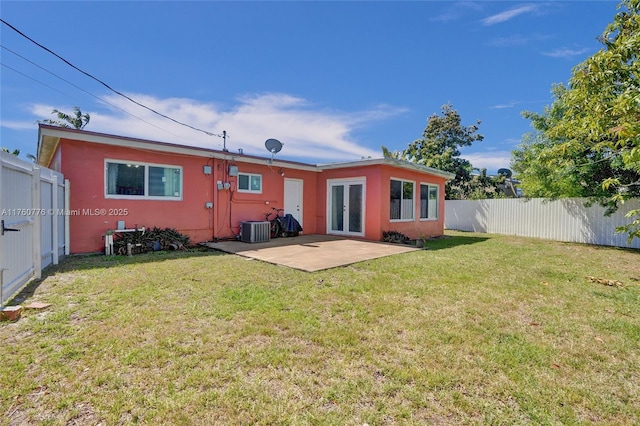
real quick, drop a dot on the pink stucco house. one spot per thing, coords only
(207, 194)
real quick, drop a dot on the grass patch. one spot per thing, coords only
(477, 329)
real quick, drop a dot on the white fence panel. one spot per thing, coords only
(62, 235)
(562, 220)
(29, 195)
(46, 225)
(16, 247)
(52, 222)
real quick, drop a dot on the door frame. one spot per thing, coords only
(345, 182)
(300, 196)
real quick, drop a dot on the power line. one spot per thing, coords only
(105, 84)
(32, 79)
(77, 87)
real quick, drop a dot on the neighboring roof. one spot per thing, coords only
(49, 137)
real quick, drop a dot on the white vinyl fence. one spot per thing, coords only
(561, 220)
(33, 231)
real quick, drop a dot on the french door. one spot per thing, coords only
(345, 205)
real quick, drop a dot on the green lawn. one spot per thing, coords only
(478, 329)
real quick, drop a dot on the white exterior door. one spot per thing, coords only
(345, 206)
(293, 198)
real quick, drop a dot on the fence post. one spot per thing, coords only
(37, 221)
(53, 217)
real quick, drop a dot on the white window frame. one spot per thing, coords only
(146, 181)
(413, 200)
(356, 180)
(429, 186)
(249, 176)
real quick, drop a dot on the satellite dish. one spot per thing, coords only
(273, 146)
(505, 172)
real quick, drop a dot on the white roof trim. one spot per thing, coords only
(55, 133)
(390, 162)
(104, 139)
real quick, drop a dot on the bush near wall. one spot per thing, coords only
(151, 239)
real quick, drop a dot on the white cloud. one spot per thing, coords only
(456, 11)
(518, 40)
(565, 52)
(509, 14)
(307, 132)
(513, 104)
(492, 161)
(510, 104)
(17, 125)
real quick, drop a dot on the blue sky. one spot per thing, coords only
(333, 81)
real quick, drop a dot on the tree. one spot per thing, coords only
(549, 168)
(77, 121)
(482, 186)
(439, 148)
(15, 152)
(387, 153)
(588, 142)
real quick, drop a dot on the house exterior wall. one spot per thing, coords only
(84, 165)
(205, 212)
(377, 205)
(372, 198)
(234, 207)
(92, 214)
(417, 227)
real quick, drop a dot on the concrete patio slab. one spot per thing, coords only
(311, 252)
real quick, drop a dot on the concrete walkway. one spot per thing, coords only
(312, 252)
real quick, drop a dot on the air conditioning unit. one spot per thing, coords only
(255, 232)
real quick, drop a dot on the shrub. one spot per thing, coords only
(395, 237)
(151, 239)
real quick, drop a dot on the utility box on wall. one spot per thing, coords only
(233, 170)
